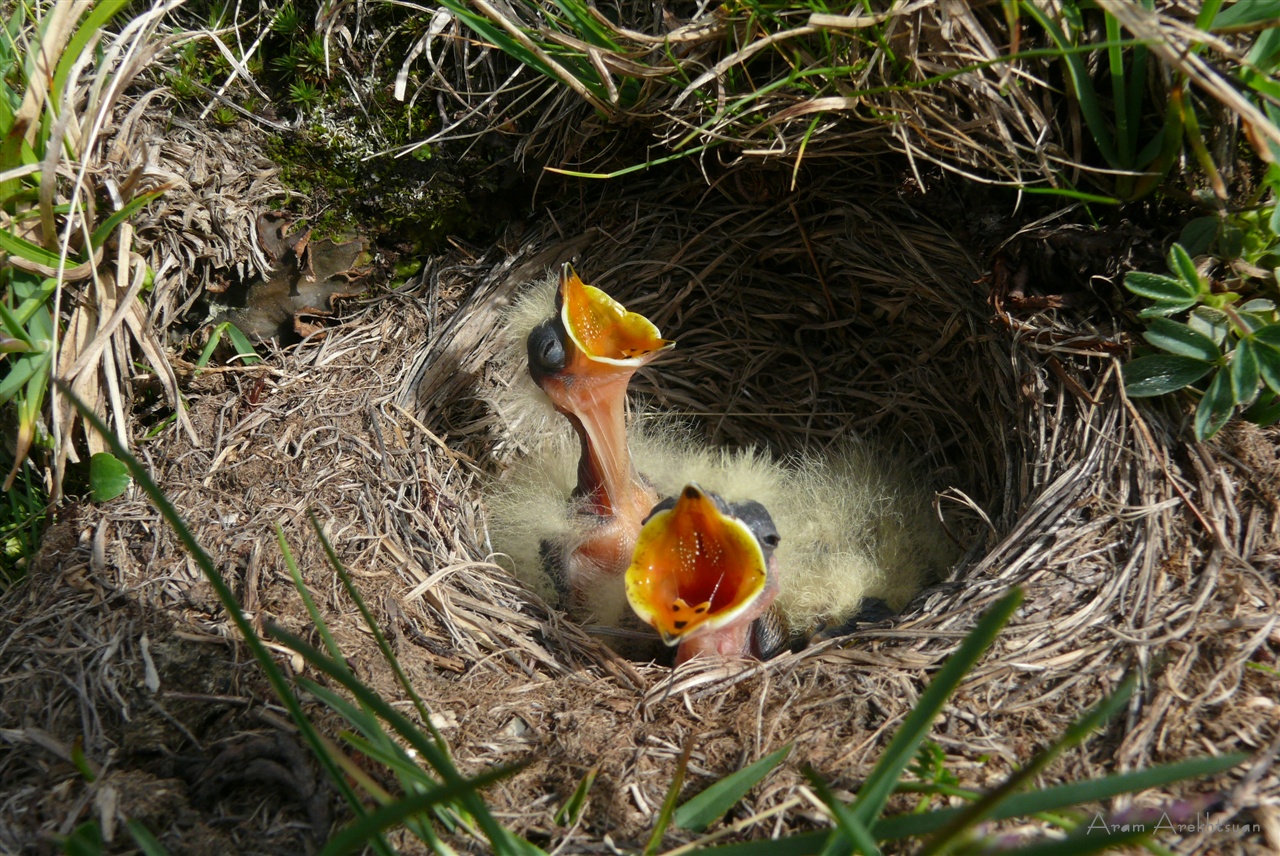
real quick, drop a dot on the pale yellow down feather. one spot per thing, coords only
(854, 523)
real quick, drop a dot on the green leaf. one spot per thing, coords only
(915, 727)
(1244, 372)
(1261, 59)
(275, 677)
(1219, 299)
(109, 225)
(1210, 322)
(1054, 798)
(665, 813)
(1166, 308)
(1268, 363)
(1231, 241)
(34, 293)
(1269, 336)
(1182, 265)
(84, 840)
(243, 346)
(358, 833)
(108, 477)
(24, 249)
(1265, 411)
(1216, 406)
(1181, 339)
(851, 835)
(1246, 13)
(1199, 234)
(709, 806)
(1155, 286)
(1161, 374)
(22, 370)
(13, 327)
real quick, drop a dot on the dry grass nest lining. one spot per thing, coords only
(797, 321)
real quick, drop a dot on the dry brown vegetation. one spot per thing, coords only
(806, 305)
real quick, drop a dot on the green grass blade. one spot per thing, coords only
(915, 727)
(358, 834)
(568, 814)
(244, 348)
(147, 843)
(130, 208)
(669, 803)
(986, 805)
(1126, 133)
(88, 31)
(33, 296)
(850, 832)
(14, 327)
(1019, 805)
(428, 748)
(24, 249)
(317, 619)
(1094, 117)
(1080, 843)
(379, 637)
(585, 25)
(22, 370)
(706, 808)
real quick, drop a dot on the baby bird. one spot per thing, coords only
(703, 574)
(583, 357)
(757, 555)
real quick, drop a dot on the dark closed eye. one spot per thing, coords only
(547, 354)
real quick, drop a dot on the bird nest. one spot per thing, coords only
(800, 318)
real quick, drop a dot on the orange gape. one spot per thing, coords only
(602, 328)
(697, 572)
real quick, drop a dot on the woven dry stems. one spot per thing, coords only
(947, 84)
(799, 317)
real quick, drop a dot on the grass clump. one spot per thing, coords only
(71, 276)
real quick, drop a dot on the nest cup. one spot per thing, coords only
(801, 317)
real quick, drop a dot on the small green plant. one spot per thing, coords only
(303, 94)
(244, 348)
(22, 515)
(224, 117)
(1236, 345)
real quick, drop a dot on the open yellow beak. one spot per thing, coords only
(602, 328)
(695, 568)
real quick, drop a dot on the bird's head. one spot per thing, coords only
(591, 336)
(703, 571)
(583, 357)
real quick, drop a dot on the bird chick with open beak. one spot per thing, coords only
(583, 358)
(704, 574)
